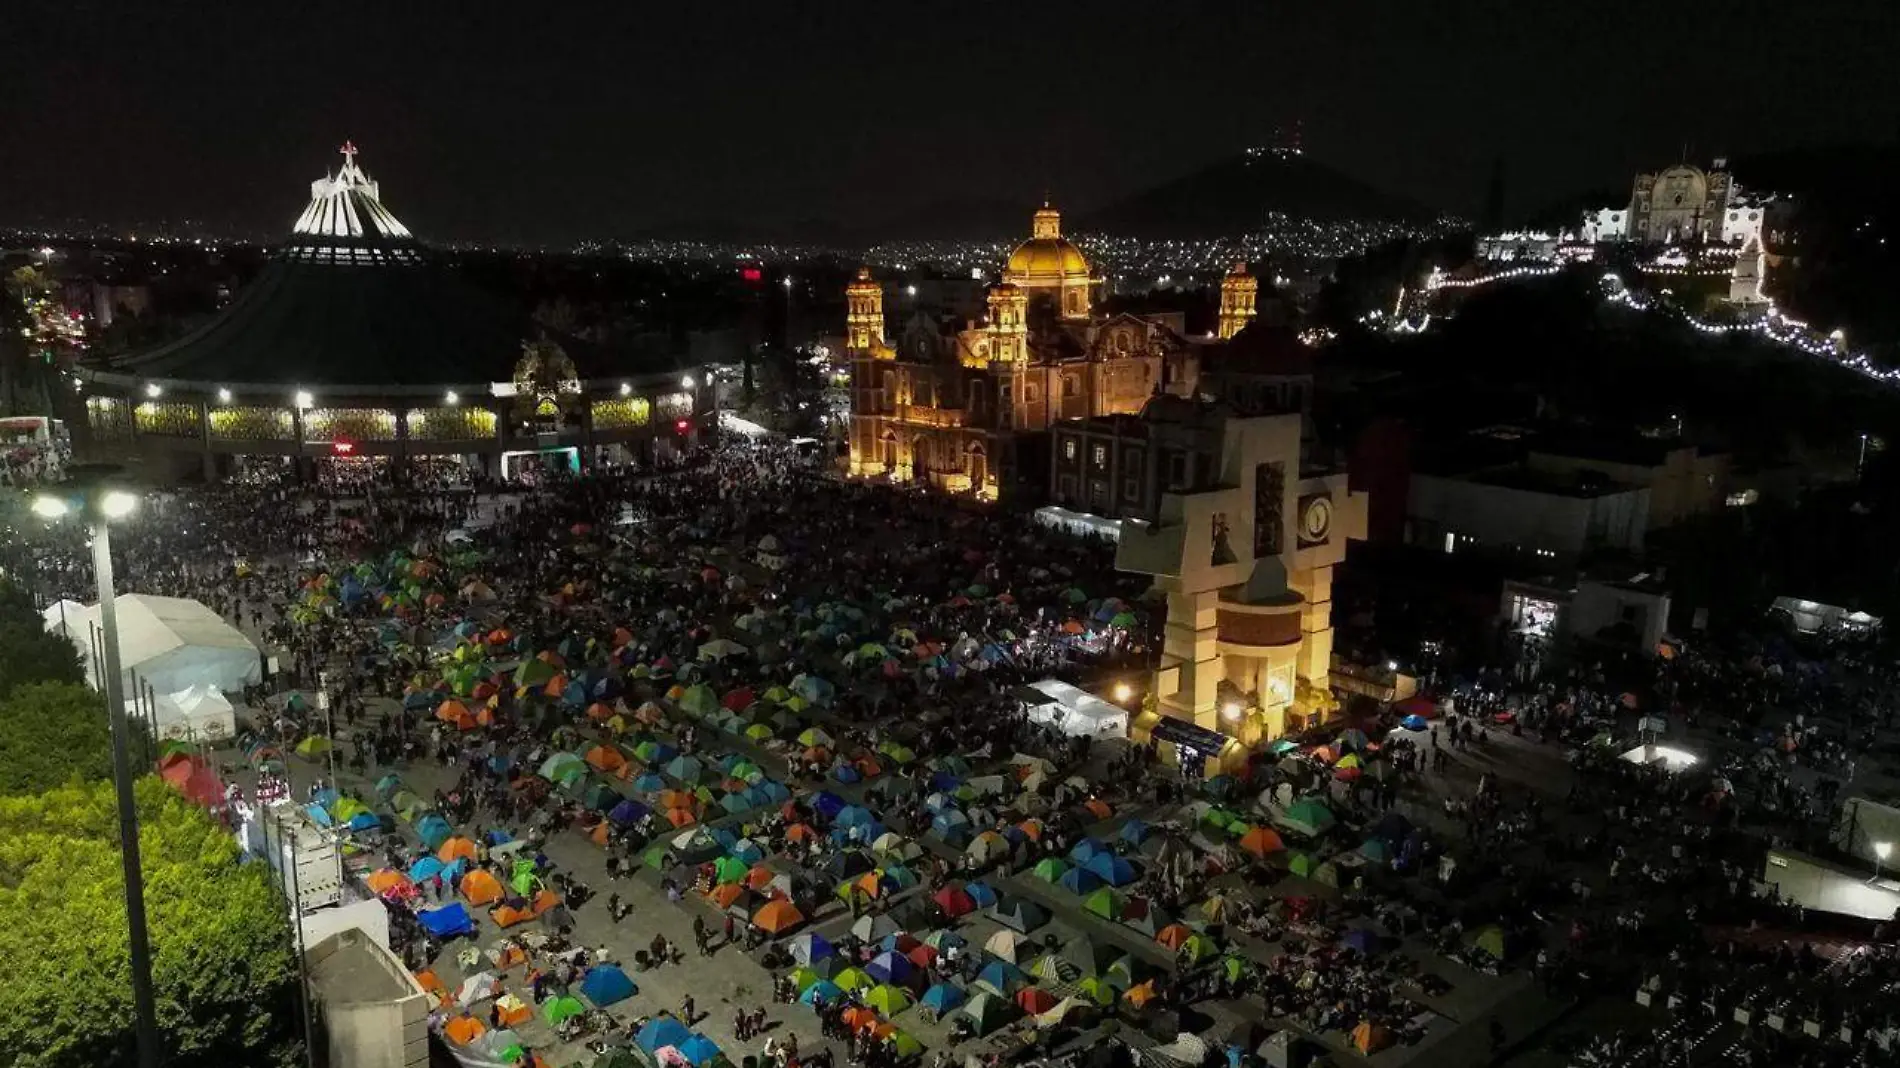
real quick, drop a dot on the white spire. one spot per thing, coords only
(348, 205)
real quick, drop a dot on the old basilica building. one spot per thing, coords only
(948, 402)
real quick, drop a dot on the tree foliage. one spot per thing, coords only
(223, 966)
(52, 733)
(28, 653)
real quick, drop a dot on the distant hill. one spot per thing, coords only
(1237, 193)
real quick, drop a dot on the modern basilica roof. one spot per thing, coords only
(352, 299)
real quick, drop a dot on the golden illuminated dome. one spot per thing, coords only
(1046, 259)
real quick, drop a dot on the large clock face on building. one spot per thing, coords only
(1316, 520)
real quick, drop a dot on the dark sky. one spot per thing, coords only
(564, 119)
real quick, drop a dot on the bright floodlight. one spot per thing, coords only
(117, 504)
(452, 398)
(910, 291)
(303, 399)
(1231, 710)
(50, 507)
(224, 396)
(152, 389)
(625, 389)
(687, 382)
(1123, 691)
(1392, 665)
(1883, 849)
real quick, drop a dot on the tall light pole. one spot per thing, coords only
(101, 504)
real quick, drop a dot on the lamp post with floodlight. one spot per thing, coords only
(1882, 850)
(94, 497)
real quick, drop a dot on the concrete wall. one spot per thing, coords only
(1683, 485)
(1823, 887)
(1505, 516)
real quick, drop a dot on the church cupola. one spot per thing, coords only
(1239, 297)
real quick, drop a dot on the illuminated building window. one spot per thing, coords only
(1101, 455)
(1068, 449)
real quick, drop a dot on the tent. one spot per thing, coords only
(559, 1010)
(1071, 710)
(606, 984)
(1020, 915)
(941, 998)
(480, 888)
(1369, 1038)
(196, 713)
(169, 643)
(987, 1012)
(447, 921)
(777, 917)
(660, 1032)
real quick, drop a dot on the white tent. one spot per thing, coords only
(198, 714)
(170, 643)
(1073, 711)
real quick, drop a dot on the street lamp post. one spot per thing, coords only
(101, 506)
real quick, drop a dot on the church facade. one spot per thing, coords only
(1683, 203)
(945, 403)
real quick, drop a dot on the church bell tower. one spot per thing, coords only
(1239, 292)
(864, 314)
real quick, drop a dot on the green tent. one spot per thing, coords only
(1097, 990)
(562, 1009)
(1049, 870)
(1490, 941)
(562, 766)
(314, 747)
(758, 732)
(1308, 817)
(600, 797)
(533, 672)
(699, 700)
(1197, 948)
(803, 978)
(905, 1046)
(887, 999)
(1123, 620)
(729, 870)
(1327, 874)
(1105, 903)
(987, 1012)
(1301, 864)
(852, 979)
(655, 856)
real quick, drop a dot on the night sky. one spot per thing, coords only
(564, 119)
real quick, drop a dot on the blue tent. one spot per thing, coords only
(496, 836)
(735, 803)
(1362, 940)
(827, 804)
(747, 850)
(1415, 722)
(606, 984)
(775, 791)
(810, 947)
(854, 816)
(1086, 849)
(433, 830)
(685, 768)
(1111, 869)
(1079, 881)
(628, 812)
(661, 1031)
(1133, 832)
(499, 764)
(319, 815)
(365, 821)
(453, 871)
(944, 781)
(326, 798)
(575, 696)
(1375, 850)
(699, 1050)
(942, 998)
(648, 783)
(982, 893)
(424, 869)
(388, 785)
(821, 992)
(889, 967)
(421, 699)
(1003, 976)
(447, 921)
(947, 821)
(845, 773)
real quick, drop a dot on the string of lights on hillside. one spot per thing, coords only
(1280, 236)
(1772, 325)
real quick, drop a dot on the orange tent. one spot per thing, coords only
(1173, 935)
(499, 637)
(480, 887)
(777, 916)
(457, 713)
(598, 711)
(485, 716)
(1073, 626)
(1098, 808)
(1139, 996)
(622, 636)
(426, 979)
(508, 916)
(464, 1029)
(556, 686)
(454, 848)
(675, 799)
(800, 833)
(513, 1010)
(1369, 1037)
(552, 659)
(508, 956)
(605, 758)
(599, 834)
(858, 1017)
(544, 900)
(868, 884)
(759, 877)
(725, 894)
(1261, 840)
(387, 879)
(678, 817)
(1032, 829)
(675, 692)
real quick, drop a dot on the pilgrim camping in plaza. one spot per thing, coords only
(735, 762)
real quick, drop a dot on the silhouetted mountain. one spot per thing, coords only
(1238, 193)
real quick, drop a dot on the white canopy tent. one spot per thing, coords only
(170, 643)
(198, 714)
(1073, 711)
